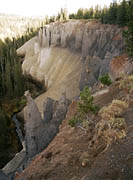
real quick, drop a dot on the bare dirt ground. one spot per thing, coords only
(68, 157)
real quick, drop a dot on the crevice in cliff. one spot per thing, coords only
(49, 38)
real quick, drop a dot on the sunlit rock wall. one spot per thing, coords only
(67, 56)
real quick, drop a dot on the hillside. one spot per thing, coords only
(74, 155)
(66, 57)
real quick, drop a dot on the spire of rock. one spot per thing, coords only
(38, 132)
(33, 127)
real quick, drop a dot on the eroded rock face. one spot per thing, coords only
(3, 176)
(62, 52)
(54, 114)
(48, 106)
(120, 65)
(16, 164)
(67, 56)
(40, 131)
(33, 127)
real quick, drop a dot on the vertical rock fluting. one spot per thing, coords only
(33, 127)
(99, 45)
(40, 131)
(66, 56)
(72, 42)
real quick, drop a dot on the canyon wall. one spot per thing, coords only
(69, 55)
(65, 57)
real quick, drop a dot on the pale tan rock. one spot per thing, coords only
(55, 56)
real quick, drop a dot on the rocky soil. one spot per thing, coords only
(70, 157)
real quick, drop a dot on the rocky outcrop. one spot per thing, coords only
(16, 164)
(67, 56)
(70, 157)
(3, 176)
(119, 66)
(33, 127)
(54, 113)
(40, 131)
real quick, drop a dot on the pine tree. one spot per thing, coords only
(128, 34)
(9, 87)
(113, 13)
(105, 15)
(86, 14)
(122, 15)
(80, 13)
(98, 12)
(91, 11)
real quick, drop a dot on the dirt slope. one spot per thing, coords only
(69, 157)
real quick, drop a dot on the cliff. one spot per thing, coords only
(67, 56)
(74, 154)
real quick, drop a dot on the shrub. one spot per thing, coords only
(112, 126)
(74, 121)
(126, 83)
(105, 80)
(85, 105)
(116, 108)
(86, 102)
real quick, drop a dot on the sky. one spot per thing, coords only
(45, 7)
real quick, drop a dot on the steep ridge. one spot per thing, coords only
(67, 56)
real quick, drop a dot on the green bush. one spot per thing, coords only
(86, 102)
(105, 80)
(85, 105)
(73, 121)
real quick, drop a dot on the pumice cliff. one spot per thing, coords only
(39, 131)
(33, 127)
(67, 56)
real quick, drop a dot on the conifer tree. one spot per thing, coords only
(80, 13)
(9, 87)
(122, 16)
(128, 34)
(113, 13)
